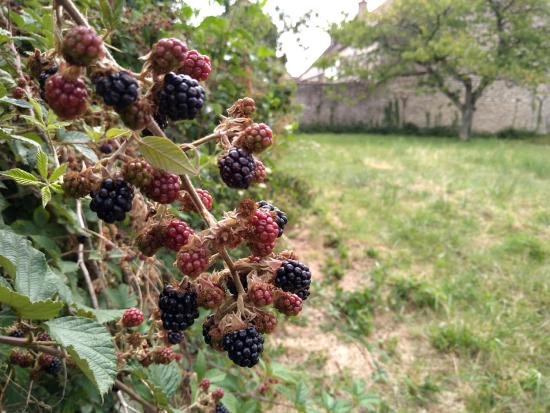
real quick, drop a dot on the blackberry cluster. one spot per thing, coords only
(112, 200)
(118, 89)
(220, 408)
(281, 219)
(178, 309)
(237, 168)
(181, 97)
(295, 277)
(67, 97)
(244, 346)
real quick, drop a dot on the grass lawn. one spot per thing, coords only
(448, 247)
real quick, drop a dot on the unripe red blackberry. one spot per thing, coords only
(237, 168)
(21, 358)
(180, 97)
(82, 46)
(18, 93)
(265, 322)
(151, 239)
(189, 205)
(132, 317)
(260, 294)
(164, 187)
(77, 185)
(196, 65)
(112, 200)
(118, 89)
(192, 261)
(138, 173)
(288, 303)
(43, 337)
(178, 308)
(262, 249)
(177, 234)
(265, 227)
(244, 346)
(167, 55)
(137, 115)
(295, 277)
(204, 384)
(68, 98)
(163, 355)
(260, 173)
(217, 394)
(255, 138)
(281, 218)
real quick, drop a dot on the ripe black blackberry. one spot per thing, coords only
(244, 346)
(220, 408)
(281, 219)
(17, 333)
(181, 97)
(112, 200)
(295, 277)
(178, 309)
(118, 89)
(237, 168)
(174, 337)
(42, 80)
(54, 367)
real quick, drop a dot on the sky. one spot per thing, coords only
(314, 39)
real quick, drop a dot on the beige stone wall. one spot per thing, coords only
(502, 106)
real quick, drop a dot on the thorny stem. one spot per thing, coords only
(201, 141)
(81, 261)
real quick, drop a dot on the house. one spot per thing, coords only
(345, 103)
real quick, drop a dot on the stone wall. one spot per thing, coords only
(502, 106)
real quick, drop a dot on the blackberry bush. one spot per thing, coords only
(99, 155)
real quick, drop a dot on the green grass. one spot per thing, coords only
(460, 237)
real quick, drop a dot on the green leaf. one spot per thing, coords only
(164, 154)
(86, 151)
(165, 376)
(91, 347)
(301, 393)
(22, 177)
(46, 195)
(200, 365)
(42, 164)
(16, 102)
(58, 172)
(116, 133)
(121, 296)
(38, 310)
(33, 277)
(37, 109)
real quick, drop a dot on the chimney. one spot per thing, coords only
(363, 10)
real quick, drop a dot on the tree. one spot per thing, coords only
(456, 47)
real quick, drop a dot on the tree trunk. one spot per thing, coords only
(466, 122)
(467, 110)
